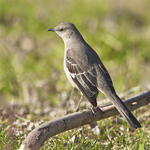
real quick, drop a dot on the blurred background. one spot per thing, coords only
(32, 80)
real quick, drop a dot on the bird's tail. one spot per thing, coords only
(123, 110)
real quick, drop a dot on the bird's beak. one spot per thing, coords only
(51, 29)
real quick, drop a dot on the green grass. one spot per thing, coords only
(110, 138)
(32, 79)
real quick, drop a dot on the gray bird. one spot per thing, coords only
(86, 72)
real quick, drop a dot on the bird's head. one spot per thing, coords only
(64, 30)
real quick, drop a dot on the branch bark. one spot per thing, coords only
(39, 135)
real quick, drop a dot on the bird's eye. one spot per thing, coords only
(61, 29)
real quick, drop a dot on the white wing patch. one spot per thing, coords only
(72, 75)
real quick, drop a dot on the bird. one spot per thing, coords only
(86, 72)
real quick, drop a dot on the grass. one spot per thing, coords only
(111, 139)
(116, 137)
(33, 85)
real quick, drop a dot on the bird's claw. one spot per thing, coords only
(92, 109)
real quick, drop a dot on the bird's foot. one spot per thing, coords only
(92, 109)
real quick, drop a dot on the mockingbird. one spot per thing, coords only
(86, 72)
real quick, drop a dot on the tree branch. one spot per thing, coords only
(39, 135)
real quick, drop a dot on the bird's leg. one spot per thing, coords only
(69, 101)
(77, 108)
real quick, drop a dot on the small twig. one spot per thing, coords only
(130, 91)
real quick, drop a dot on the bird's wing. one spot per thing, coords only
(103, 77)
(106, 74)
(84, 79)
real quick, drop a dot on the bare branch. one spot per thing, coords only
(39, 135)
